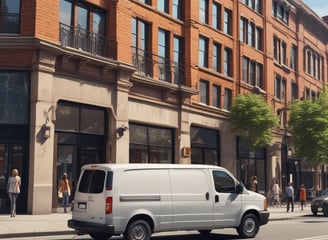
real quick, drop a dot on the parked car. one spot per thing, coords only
(137, 200)
(320, 204)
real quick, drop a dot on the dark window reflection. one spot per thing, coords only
(14, 97)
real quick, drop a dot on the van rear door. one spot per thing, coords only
(90, 197)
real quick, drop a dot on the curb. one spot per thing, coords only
(36, 234)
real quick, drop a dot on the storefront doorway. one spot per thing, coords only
(12, 156)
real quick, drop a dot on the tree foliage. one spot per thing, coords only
(253, 119)
(308, 124)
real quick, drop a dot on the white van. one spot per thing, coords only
(137, 200)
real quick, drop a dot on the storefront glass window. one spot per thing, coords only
(14, 97)
(150, 144)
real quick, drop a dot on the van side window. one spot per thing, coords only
(92, 181)
(223, 182)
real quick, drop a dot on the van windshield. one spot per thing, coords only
(92, 181)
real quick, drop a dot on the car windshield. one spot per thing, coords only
(324, 192)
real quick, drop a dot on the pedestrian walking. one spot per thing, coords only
(13, 188)
(302, 196)
(276, 193)
(254, 184)
(290, 196)
(65, 191)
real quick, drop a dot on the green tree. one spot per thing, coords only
(308, 124)
(253, 119)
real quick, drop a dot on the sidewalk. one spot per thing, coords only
(56, 223)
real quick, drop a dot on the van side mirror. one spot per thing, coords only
(239, 188)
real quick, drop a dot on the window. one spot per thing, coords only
(254, 4)
(203, 11)
(259, 38)
(280, 12)
(250, 34)
(252, 72)
(10, 16)
(280, 88)
(204, 92)
(14, 97)
(148, 2)
(92, 181)
(178, 60)
(217, 57)
(83, 26)
(80, 118)
(294, 91)
(216, 96)
(223, 182)
(227, 21)
(313, 63)
(177, 8)
(293, 57)
(150, 144)
(163, 55)
(216, 16)
(205, 146)
(228, 62)
(203, 52)
(227, 99)
(140, 46)
(279, 51)
(163, 6)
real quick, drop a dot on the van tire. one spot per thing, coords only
(100, 236)
(138, 230)
(249, 226)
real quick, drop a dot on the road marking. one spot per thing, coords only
(325, 237)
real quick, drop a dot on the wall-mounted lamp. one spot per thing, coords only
(120, 131)
(46, 131)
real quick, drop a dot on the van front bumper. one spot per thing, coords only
(86, 227)
(264, 217)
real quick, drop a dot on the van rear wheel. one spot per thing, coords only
(138, 230)
(100, 236)
(249, 226)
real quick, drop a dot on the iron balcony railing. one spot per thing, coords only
(146, 64)
(9, 23)
(79, 38)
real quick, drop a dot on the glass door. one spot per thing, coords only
(11, 156)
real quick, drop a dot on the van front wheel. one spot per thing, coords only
(249, 226)
(138, 230)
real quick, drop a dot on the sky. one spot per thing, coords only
(318, 6)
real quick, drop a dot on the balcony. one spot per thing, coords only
(154, 66)
(84, 40)
(9, 23)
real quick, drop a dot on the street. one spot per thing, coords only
(302, 228)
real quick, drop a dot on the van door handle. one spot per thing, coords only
(216, 198)
(207, 196)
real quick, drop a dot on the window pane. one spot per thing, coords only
(138, 134)
(138, 154)
(92, 121)
(14, 97)
(160, 155)
(65, 12)
(203, 92)
(160, 137)
(67, 118)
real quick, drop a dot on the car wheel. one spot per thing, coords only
(138, 230)
(314, 210)
(249, 226)
(205, 232)
(100, 236)
(325, 209)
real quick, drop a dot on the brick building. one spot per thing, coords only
(88, 81)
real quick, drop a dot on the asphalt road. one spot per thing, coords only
(303, 228)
